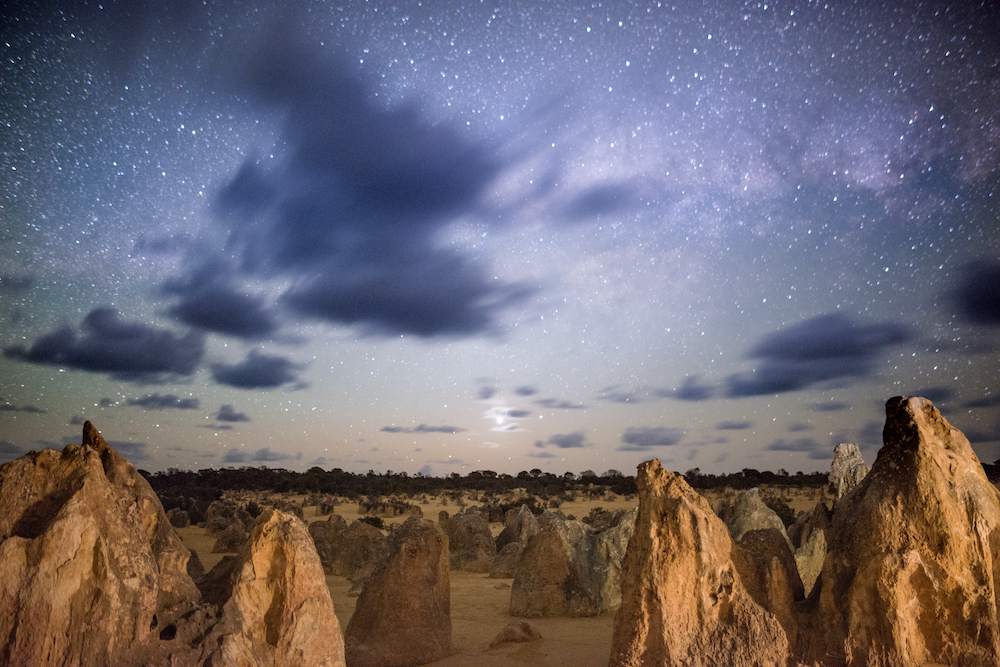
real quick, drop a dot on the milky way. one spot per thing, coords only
(442, 237)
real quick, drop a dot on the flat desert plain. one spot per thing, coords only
(479, 605)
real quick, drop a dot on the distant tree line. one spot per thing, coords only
(210, 483)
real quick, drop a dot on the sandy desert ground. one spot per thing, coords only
(479, 605)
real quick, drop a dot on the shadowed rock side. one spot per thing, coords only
(94, 574)
(279, 611)
(403, 615)
(683, 602)
(914, 554)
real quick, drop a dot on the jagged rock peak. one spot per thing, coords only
(914, 557)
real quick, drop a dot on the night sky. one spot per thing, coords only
(452, 236)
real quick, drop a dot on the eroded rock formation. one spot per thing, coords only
(683, 599)
(403, 615)
(94, 574)
(847, 469)
(914, 553)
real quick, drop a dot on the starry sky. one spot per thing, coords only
(440, 237)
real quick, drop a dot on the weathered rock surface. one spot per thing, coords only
(504, 565)
(279, 611)
(914, 553)
(808, 536)
(357, 550)
(178, 518)
(568, 569)
(231, 539)
(768, 570)
(88, 557)
(847, 469)
(324, 535)
(94, 574)
(470, 541)
(403, 615)
(516, 632)
(521, 526)
(683, 599)
(750, 513)
(222, 514)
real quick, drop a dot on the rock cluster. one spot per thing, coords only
(470, 541)
(569, 569)
(910, 574)
(94, 574)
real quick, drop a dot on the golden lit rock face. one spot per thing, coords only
(914, 554)
(94, 574)
(683, 601)
(280, 610)
(92, 567)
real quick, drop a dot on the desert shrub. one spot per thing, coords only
(596, 512)
(373, 521)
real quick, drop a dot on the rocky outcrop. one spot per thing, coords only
(279, 610)
(231, 539)
(683, 598)
(750, 513)
(178, 518)
(504, 565)
(403, 615)
(847, 469)
(768, 570)
(324, 535)
(94, 574)
(470, 541)
(357, 550)
(808, 536)
(914, 553)
(222, 514)
(91, 565)
(568, 569)
(516, 632)
(520, 527)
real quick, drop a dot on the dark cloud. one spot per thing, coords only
(158, 402)
(810, 446)
(617, 395)
(7, 407)
(728, 425)
(266, 454)
(105, 403)
(257, 371)
(935, 394)
(565, 441)
(227, 413)
(518, 414)
(600, 200)
(486, 393)
(16, 284)
(76, 420)
(692, 390)
(798, 427)
(558, 404)
(422, 428)
(526, 390)
(234, 456)
(208, 300)
(353, 210)
(820, 349)
(8, 450)
(830, 406)
(641, 438)
(977, 296)
(870, 435)
(984, 402)
(130, 351)
(542, 455)
(976, 435)
(132, 451)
